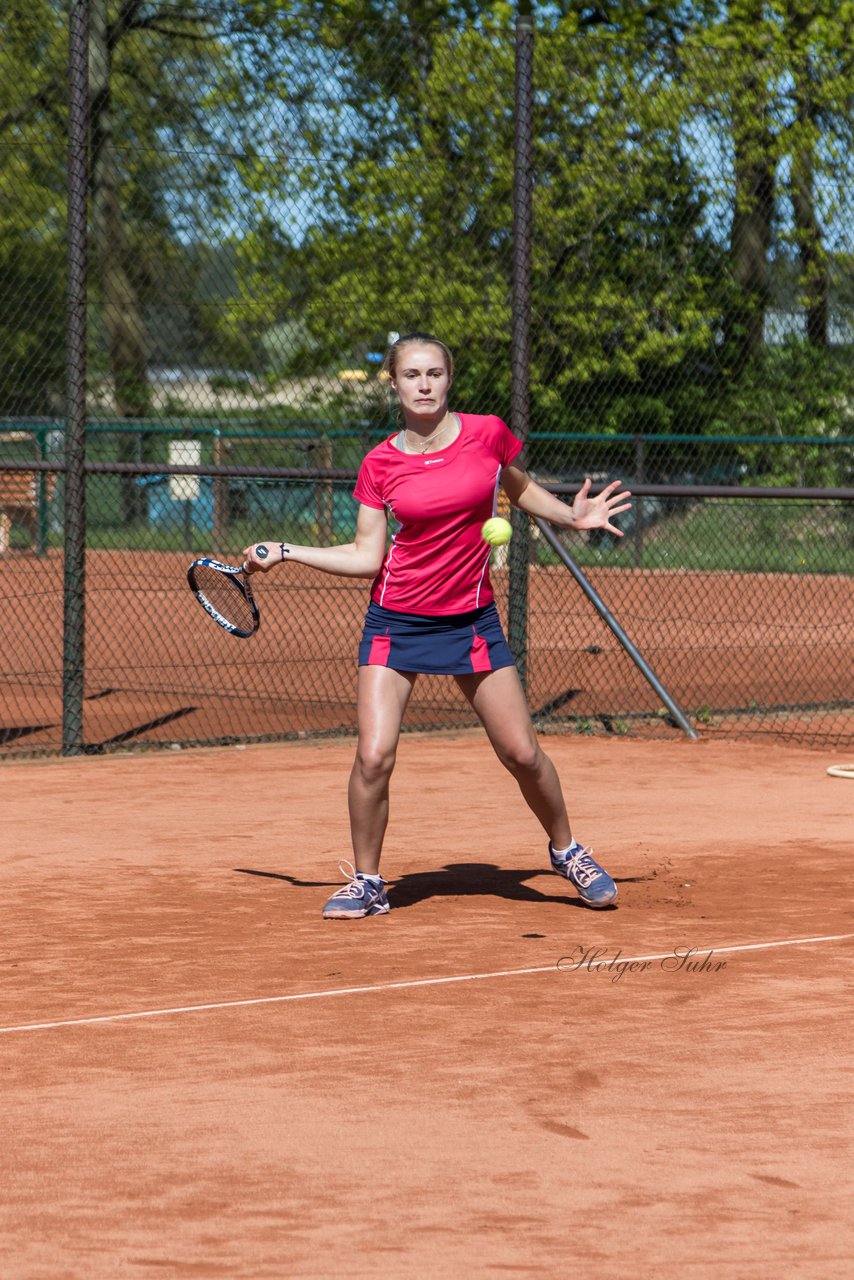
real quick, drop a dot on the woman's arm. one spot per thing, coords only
(361, 558)
(584, 513)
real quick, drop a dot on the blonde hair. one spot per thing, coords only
(389, 365)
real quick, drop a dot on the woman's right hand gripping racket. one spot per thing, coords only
(224, 593)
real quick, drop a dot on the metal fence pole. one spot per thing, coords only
(639, 512)
(220, 495)
(74, 583)
(42, 496)
(520, 353)
(610, 621)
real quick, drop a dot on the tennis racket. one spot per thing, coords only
(224, 593)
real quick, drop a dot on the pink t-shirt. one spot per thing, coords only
(437, 563)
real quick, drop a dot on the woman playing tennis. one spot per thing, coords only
(432, 608)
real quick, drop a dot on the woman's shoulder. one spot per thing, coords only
(491, 430)
(384, 451)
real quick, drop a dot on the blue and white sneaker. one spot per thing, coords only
(594, 885)
(360, 897)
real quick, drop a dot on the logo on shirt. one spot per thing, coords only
(429, 462)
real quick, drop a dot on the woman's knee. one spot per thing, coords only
(522, 758)
(374, 761)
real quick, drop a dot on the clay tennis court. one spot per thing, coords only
(203, 1078)
(742, 646)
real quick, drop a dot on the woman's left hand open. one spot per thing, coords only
(597, 513)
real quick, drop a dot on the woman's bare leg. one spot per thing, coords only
(381, 701)
(499, 702)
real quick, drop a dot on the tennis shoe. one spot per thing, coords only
(359, 897)
(594, 885)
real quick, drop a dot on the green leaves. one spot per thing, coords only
(295, 181)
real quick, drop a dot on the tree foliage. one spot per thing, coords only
(295, 181)
(31, 194)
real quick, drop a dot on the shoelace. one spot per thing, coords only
(582, 867)
(356, 887)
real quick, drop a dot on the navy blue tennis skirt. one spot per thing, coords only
(454, 646)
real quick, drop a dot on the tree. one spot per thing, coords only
(754, 157)
(31, 227)
(779, 82)
(408, 210)
(119, 295)
(159, 174)
(818, 42)
(627, 296)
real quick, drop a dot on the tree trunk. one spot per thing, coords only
(755, 172)
(122, 312)
(813, 264)
(813, 268)
(750, 235)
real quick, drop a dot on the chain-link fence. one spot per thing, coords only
(635, 236)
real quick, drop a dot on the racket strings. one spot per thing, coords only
(225, 593)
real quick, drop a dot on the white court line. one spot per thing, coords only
(399, 986)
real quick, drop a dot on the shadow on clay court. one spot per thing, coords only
(455, 880)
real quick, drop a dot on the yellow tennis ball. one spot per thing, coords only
(497, 531)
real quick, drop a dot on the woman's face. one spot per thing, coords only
(421, 380)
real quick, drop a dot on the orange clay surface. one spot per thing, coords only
(442, 1091)
(158, 670)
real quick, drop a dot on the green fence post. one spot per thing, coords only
(74, 579)
(520, 354)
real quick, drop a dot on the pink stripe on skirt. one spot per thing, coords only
(480, 655)
(380, 649)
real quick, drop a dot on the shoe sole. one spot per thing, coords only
(597, 906)
(356, 915)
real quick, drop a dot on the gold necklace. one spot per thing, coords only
(429, 439)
